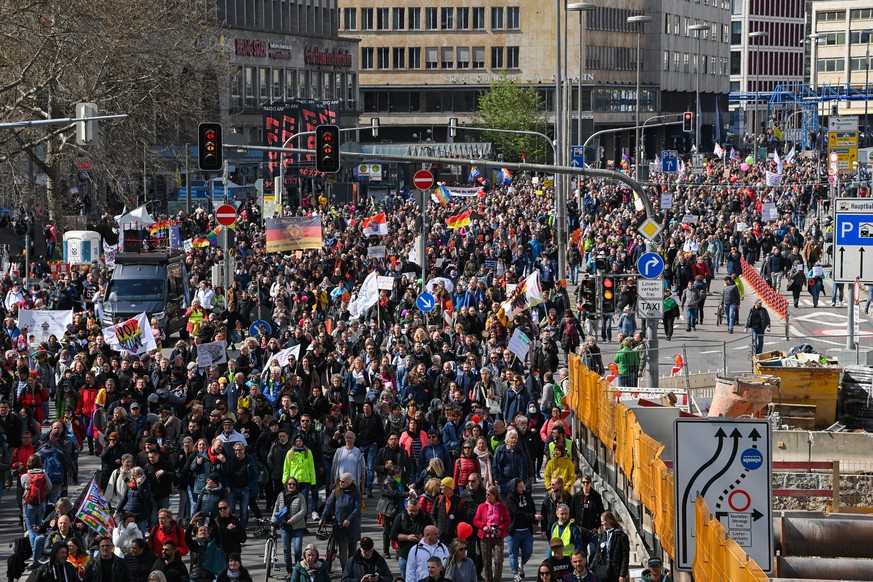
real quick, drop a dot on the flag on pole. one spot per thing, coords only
(375, 225)
(789, 158)
(718, 151)
(735, 155)
(442, 195)
(778, 162)
(506, 176)
(474, 173)
(94, 510)
(528, 294)
(625, 161)
(459, 220)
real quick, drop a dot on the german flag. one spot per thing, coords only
(459, 220)
(293, 233)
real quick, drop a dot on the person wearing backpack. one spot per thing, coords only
(36, 486)
(570, 337)
(54, 468)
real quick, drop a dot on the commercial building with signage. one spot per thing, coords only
(282, 51)
(421, 63)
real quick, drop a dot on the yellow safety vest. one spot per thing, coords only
(566, 537)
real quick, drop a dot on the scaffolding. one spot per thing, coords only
(802, 99)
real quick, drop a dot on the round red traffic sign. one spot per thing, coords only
(225, 215)
(423, 180)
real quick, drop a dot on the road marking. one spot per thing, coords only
(711, 352)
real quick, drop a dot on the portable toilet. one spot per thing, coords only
(82, 247)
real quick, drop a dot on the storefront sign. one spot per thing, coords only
(250, 47)
(334, 58)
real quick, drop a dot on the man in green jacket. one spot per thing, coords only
(628, 362)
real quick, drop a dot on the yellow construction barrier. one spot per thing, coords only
(717, 556)
(639, 457)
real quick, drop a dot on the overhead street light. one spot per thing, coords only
(581, 8)
(698, 28)
(642, 19)
(756, 34)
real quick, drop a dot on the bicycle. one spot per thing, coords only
(327, 531)
(270, 554)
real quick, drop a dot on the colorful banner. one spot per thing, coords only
(528, 294)
(94, 510)
(293, 233)
(211, 354)
(133, 336)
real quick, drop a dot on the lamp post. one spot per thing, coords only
(698, 28)
(641, 20)
(813, 73)
(581, 8)
(756, 34)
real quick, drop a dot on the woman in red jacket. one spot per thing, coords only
(32, 394)
(492, 520)
(465, 464)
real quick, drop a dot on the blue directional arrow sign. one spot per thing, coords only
(425, 302)
(650, 265)
(669, 161)
(577, 153)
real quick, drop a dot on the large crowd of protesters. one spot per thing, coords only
(431, 416)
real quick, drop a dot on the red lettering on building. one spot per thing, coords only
(334, 58)
(248, 47)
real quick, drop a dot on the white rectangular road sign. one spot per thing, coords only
(728, 463)
(853, 240)
(650, 298)
(843, 123)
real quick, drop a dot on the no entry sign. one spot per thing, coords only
(225, 215)
(423, 180)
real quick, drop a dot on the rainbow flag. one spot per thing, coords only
(459, 220)
(159, 226)
(506, 176)
(625, 161)
(212, 236)
(200, 242)
(474, 173)
(94, 510)
(442, 194)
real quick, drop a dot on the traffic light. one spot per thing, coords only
(211, 153)
(327, 155)
(607, 294)
(688, 122)
(587, 296)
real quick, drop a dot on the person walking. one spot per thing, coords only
(758, 322)
(671, 312)
(612, 559)
(522, 513)
(492, 519)
(690, 299)
(730, 299)
(796, 282)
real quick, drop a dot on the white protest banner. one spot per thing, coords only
(378, 252)
(510, 288)
(769, 212)
(666, 201)
(367, 296)
(211, 354)
(519, 344)
(133, 336)
(281, 358)
(109, 255)
(188, 245)
(690, 219)
(385, 283)
(44, 323)
(463, 191)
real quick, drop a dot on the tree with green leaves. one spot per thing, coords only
(508, 106)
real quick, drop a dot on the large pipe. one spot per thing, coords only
(828, 538)
(824, 568)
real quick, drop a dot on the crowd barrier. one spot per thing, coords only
(639, 457)
(770, 296)
(717, 556)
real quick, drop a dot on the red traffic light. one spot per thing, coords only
(607, 283)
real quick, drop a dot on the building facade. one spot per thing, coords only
(283, 50)
(422, 63)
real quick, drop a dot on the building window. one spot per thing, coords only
(725, 33)
(497, 18)
(736, 32)
(366, 19)
(463, 61)
(512, 57)
(479, 18)
(513, 18)
(834, 38)
(350, 18)
(666, 60)
(263, 85)
(398, 18)
(861, 14)
(399, 59)
(686, 63)
(414, 57)
(463, 19)
(666, 23)
(278, 84)
(736, 62)
(431, 58)
(448, 18)
(478, 57)
(497, 57)
(415, 19)
(366, 57)
(676, 62)
(830, 16)
(430, 19)
(831, 65)
(382, 22)
(236, 94)
(447, 57)
(291, 83)
(382, 58)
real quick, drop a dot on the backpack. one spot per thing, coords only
(37, 489)
(52, 466)
(47, 233)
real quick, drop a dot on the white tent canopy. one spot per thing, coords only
(136, 218)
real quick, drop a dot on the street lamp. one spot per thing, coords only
(581, 8)
(756, 34)
(641, 20)
(698, 28)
